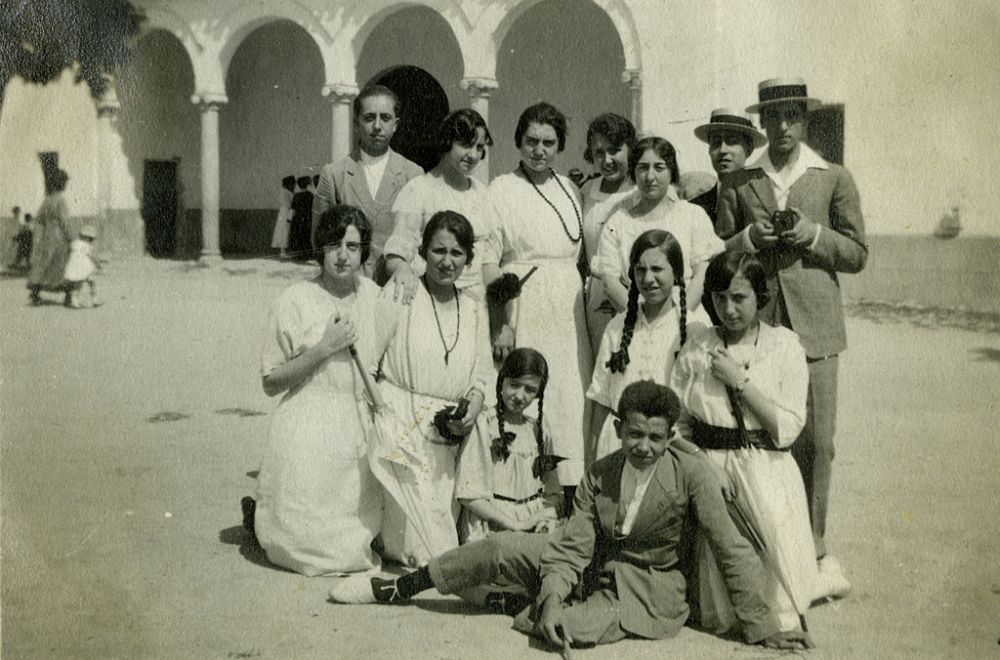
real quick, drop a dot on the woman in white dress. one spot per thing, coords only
(541, 227)
(279, 237)
(743, 386)
(318, 506)
(440, 354)
(610, 140)
(653, 167)
(462, 140)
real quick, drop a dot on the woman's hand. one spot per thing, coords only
(464, 426)
(404, 283)
(503, 343)
(726, 369)
(340, 333)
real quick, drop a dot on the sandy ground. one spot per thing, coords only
(128, 432)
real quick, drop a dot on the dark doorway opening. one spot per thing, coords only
(423, 104)
(160, 206)
(826, 132)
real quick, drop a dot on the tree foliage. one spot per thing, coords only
(41, 38)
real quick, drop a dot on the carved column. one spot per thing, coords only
(479, 100)
(209, 106)
(341, 98)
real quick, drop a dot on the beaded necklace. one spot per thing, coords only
(579, 220)
(437, 320)
(746, 365)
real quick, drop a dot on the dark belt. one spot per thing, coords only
(707, 436)
(523, 500)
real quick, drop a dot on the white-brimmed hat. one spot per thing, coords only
(779, 90)
(88, 231)
(730, 120)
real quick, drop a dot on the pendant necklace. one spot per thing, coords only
(746, 365)
(579, 221)
(437, 320)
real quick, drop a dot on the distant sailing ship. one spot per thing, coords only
(950, 225)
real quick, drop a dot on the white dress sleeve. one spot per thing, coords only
(704, 243)
(792, 375)
(408, 220)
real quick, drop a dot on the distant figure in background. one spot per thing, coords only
(51, 245)
(731, 139)
(279, 238)
(371, 176)
(300, 228)
(81, 267)
(22, 243)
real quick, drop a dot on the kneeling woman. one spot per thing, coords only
(440, 355)
(743, 388)
(318, 506)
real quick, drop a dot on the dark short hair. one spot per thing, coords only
(333, 225)
(459, 127)
(616, 129)
(725, 266)
(662, 148)
(457, 224)
(651, 400)
(16, 209)
(375, 90)
(288, 183)
(744, 137)
(304, 181)
(541, 113)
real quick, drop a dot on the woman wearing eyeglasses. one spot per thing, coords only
(318, 506)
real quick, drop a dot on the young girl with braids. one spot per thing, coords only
(642, 343)
(520, 490)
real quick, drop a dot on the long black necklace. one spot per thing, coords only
(746, 365)
(572, 202)
(437, 319)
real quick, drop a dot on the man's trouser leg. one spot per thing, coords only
(813, 450)
(506, 558)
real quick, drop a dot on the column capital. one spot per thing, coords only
(209, 100)
(340, 92)
(633, 77)
(479, 86)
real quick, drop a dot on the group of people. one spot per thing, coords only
(56, 261)
(292, 235)
(586, 407)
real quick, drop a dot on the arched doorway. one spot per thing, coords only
(276, 124)
(566, 52)
(423, 102)
(159, 129)
(425, 74)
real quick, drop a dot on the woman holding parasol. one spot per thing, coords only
(743, 387)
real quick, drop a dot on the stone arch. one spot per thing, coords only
(238, 25)
(158, 18)
(619, 13)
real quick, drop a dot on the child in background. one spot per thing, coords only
(23, 242)
(642, 344)
(521, 491)
(81, 267)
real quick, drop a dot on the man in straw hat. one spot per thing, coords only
(803, 216)
(731, 138)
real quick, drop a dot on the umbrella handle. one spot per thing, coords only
(369, 382)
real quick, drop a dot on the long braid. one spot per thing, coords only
(539, 435)
(683, 312)
(501, 408)
(620, 359)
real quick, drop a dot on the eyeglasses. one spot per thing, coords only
(350, 245)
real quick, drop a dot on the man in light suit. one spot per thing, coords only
(613, 571)
(823, 234)
(371, 176)
(731, 139)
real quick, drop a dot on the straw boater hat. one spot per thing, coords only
(778, 90)
(730, 120)
(88, 231)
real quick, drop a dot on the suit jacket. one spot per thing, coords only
(805, 279)
(707, 200)
(644, 564)
(344, 182)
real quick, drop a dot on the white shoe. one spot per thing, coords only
(353, 590)
(831, 582)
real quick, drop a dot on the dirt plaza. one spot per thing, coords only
(129, 433)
